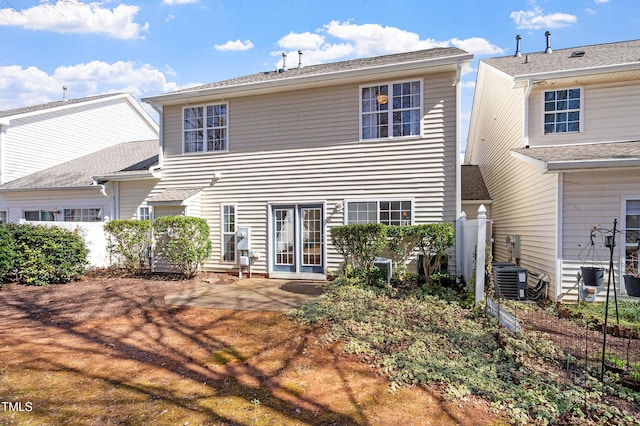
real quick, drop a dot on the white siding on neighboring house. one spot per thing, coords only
(523, 198)
(593, 199)
(50, 137)
(303, 147)
(17, 202)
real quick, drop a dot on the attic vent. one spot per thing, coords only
(577, 54)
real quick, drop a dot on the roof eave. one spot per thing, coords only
(452, 61)
(65, 106)
(58, 188)
(561, 166)
(123, 177)
(576, 72)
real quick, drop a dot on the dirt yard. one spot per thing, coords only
(107, 350)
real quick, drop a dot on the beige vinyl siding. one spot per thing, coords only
(593, 199)
(132, 195)
(303, 147)
(36, 142)
(523, 199)
(607, 108)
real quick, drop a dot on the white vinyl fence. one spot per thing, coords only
(94, 237)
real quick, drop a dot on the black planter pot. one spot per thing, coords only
(592, 276)
(632, 284)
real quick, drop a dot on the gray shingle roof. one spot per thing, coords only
(597, 55)
(174, 195)
(614, 154)
(127, 157)
(49, 105)
(311, 70)
(472, 184)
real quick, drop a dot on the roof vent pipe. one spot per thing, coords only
(518, 54)
(526, 58)
(284, 61)
(64, 93)
(547, 34)
(299, 58)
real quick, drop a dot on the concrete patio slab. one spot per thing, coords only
(253, 294)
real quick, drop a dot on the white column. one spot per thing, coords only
(481, 253)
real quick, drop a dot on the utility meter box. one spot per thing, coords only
(243, 239)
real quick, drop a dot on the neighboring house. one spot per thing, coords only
(37, 137)
(34, 138)
(286, 155)
(556, 136)
(111, 183)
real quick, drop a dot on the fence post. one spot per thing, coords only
(481, 253)
(460, 249)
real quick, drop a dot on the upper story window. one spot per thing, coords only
(206, 128)
(83, 215)
(391, 110)
(562, 111)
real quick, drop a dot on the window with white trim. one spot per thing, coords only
(229, 233)
(562, 111)
(391, 110)
(3, 217)
(205, 128)
(145, 213)
(83, 215)
(39, 215)
(391, 212)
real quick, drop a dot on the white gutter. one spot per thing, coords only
(559, 166)
(527, 94)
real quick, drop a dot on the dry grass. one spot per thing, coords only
(147, 363)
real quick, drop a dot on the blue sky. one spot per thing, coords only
(157, 46)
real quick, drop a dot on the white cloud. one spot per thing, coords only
(169, 18)
(600, 1)
(72, 16)
(345, 40)
(301, 41)
(535, 19)
(32, 86)
(174, 2)
(234, 45)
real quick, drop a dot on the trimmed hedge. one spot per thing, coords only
(183, 241)
(47, 255)
(130, 241)
(7, 253)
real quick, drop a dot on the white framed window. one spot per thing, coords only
(229, 233)
(391, 110)
(562, 111)
(39, 215)
(145, 213)
(205, 128)
(3, 217)
(388, 212)
(83, 215)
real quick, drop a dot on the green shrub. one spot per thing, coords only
(130, 241)
(401, 245)
(7, 253)
(434, 240)
(47, 255)
(183, 241)
(359, 245)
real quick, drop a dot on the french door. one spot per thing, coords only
(297, 238)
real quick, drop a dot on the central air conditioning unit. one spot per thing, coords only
(510, 282)
(384, 265)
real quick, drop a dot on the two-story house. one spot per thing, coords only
(288, 154)
(556, 137)
(39, 137)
